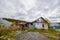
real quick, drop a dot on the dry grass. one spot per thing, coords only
(9, 33)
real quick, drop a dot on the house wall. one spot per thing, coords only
(40, 25)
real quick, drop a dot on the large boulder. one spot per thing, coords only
(32, 36)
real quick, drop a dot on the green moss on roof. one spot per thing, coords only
(13, 20)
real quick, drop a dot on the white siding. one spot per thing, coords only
(38, 25)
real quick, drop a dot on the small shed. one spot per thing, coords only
(41, 23)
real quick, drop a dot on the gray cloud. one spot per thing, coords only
(29, 10)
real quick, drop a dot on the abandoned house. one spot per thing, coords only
(39, 23)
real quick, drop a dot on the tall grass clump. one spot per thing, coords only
(8, 33)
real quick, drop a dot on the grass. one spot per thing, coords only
(9, 33)
(50, 33)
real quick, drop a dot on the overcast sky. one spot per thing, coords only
(30, 10)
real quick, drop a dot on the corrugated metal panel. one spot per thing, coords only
(4, 22)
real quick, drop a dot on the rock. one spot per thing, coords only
(32, 36)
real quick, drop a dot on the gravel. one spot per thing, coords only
(32, 36)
